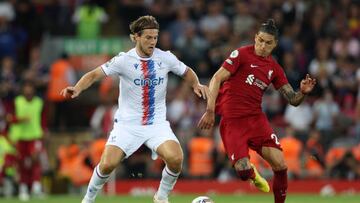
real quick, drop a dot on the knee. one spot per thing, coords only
(174, 163)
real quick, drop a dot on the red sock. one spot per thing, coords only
(246, 174)
(280, 186)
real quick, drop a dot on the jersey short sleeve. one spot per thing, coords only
(280, 77)
(175, 65)
(114, 65)
(232, 63)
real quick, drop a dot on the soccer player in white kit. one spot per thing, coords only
(141, 117)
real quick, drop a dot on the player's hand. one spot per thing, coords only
(71, 92)
(207, 120)
(201, 91)
(307, 84)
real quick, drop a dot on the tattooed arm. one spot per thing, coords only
(294, 98)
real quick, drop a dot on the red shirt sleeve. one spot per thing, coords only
(279, 77)
(232, 63)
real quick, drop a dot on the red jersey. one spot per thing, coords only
(241, 94)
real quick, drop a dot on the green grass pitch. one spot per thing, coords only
(292, 198)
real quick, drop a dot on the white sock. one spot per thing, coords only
(36, 188)
(96, 183)
(167, 183)
(23, 189)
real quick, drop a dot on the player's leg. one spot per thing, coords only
(235, 136)
(24, 164)
(275, 158)
(36, 188)
(110, 158)
(247, 171)
(170, 151)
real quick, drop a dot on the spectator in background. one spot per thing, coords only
(102, 119)
(191, 46)
(293, 149)
(8, 79)
(322, 66)
(177, 28)
(300, 119)
(202, 154)
(243, 21)
(61, 75)
(344, 79)
(314, 156)
(11, 38)
(37, 71)
(346, 45)
(326, 111)
(27, 133)
(346, 168)
(214, 22)
(291, 69)
(89, 18)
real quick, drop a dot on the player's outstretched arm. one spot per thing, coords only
(295, 98)
(85, 81)
(208, 119)
(199, 89)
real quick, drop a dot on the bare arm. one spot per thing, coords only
(85, 82)
(199, 89)
(294, 98)
(208, 119)
(219, 77)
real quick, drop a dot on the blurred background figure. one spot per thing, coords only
(27, 133)
(89, 18)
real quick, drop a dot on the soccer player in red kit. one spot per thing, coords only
(236, 91)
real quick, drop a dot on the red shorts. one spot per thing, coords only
(240, 134)
(29, 148)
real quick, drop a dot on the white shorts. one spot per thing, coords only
(129, 138)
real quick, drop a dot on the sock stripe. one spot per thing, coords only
(98, 173)
(170, 174)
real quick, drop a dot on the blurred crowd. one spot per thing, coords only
(320, 138)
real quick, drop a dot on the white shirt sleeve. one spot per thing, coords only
(175, 66)
(114, 66)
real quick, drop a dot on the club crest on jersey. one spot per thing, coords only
(136, 66)
(234, 54)
(270, 73)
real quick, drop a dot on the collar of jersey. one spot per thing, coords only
(142, 58)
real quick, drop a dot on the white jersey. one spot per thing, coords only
(143, 83)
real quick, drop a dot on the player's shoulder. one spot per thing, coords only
(163, 54)
(243, 51)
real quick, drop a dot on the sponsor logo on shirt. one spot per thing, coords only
(148, 82)
(253, 66)
(136, 65)
(251, 80)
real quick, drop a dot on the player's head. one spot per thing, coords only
(145, 31)
(28, 90)
(266, 38)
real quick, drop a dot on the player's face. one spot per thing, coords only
(146, 42)
(264, 44)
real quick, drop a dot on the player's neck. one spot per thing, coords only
(140, 53)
